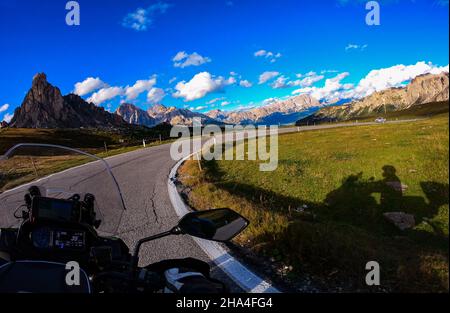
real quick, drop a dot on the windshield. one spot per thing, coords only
(59, 172)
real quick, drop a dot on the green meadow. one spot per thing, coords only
(321, 211)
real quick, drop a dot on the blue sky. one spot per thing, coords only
(127, 49)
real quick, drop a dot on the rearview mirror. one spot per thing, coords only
(217, 225)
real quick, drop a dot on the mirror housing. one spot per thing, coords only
(217, 225)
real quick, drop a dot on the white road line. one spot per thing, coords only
(240, 274)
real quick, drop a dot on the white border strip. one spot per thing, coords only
(240, 274)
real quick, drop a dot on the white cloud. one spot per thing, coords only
(8, 117)
(260, 53)
(200, 85)
(393, 76)
(88, 85)
(225, 103)
(173, 79)
(105, 94)
(266, 76)
(280, 82)
(331, 90)
(269, 55)
(245, 83)
(182, 59)
(328, 71)
(215, 100)
(141, 19)
(132, 92)
(270, 101)
(308, 79)
(155, 95)
(305, 80)
(4, 107)
(352, 46)
(376, 80)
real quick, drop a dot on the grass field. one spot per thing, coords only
(89, 140)
(320, 212)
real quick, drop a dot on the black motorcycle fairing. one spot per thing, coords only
(39, 277)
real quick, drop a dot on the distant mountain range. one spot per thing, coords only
(423, 89)
(277, 112)
(158, 114)
(45, 107)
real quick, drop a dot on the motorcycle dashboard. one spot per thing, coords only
(55, 238)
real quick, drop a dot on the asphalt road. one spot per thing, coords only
(142, 176)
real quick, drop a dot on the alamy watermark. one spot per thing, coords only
(373, 16)
(73, 274)
(73, 16)
(227, 143)
(373, 276)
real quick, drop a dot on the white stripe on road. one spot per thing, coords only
(240, 274)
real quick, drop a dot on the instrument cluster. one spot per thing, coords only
(64, 239)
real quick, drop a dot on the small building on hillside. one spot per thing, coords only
(3, 124)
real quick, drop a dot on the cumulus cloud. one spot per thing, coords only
(200, 85)
(266, 76)
(105, 94)
(269, 55)
(4, 107)
(245, 83)
(352, 46)
(332, 89)
(155, 95)
(141, 19)
(183, 59)
(305, 80)
(88, 85)
(376, 80)
(394, 76)
(132, 92)
(280, 82)
(8, 117)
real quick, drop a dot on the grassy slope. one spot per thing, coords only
(90, 140)
(338, 175)
(18, 170)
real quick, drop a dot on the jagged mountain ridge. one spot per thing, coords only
(158, 114)
(278, 112)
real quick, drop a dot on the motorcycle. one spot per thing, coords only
(62, 214)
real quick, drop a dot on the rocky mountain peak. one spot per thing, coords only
(45, 107)
(39, 78)
(134, 115)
